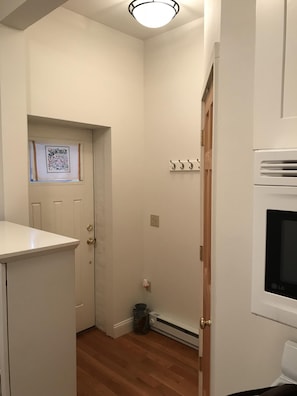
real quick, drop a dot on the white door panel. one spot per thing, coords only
(67, 208)
(275, 99)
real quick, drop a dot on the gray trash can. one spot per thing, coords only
(140, 319)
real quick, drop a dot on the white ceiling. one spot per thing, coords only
(115, 14)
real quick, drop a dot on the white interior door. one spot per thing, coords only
(66, 207)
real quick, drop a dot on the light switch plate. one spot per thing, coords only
(155, 221)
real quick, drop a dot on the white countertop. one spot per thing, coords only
(18, 240)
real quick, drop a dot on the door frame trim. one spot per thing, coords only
(101, 136)
(211, 72)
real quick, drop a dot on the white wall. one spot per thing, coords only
(82, 71)
(212, 26)
(76, 70)
(62, 82)
(173, 84)
(13, 124)
(246, 349)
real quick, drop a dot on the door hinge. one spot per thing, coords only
(202, 137)
(201, 253)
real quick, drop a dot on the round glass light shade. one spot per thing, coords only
(153, 13)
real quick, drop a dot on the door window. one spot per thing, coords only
(55, 162)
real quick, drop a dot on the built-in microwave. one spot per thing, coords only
(274, 267)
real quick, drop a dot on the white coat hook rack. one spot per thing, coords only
(186, 165)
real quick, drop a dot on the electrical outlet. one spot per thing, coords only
(154, 220)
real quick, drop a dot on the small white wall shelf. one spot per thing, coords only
(185, 165)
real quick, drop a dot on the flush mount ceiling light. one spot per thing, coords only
(153, 13)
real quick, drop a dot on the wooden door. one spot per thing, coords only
(67, 208)
(206, 184)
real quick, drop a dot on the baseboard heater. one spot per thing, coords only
(177, 331)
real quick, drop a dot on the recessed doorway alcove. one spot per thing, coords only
(101, 149)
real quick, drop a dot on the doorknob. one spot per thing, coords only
(91, 241)
(204, 323)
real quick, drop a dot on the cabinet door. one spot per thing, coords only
(4, 371)
(41, 325)
(275, 101)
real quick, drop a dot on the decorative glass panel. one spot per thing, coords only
(54, 162)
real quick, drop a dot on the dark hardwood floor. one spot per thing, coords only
(135, 365)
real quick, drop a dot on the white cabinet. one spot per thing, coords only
(37, 312)
(275, 111)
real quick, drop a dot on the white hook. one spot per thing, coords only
(173, 165)
(191, 165)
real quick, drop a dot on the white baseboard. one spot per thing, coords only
(122, 328)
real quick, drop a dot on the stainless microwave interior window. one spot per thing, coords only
(281, 253)
(288, 272)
